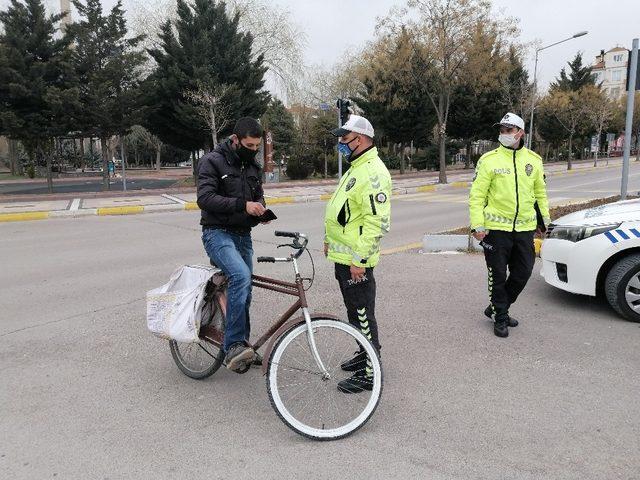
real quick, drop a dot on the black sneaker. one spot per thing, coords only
(358, 362)
(511, 322)
(500, 328)
(239, 356)
(356, 383)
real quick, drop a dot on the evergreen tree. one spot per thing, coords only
(35, 80)
(282, 127)
(202, 49)
(578, 76)
(108, 68)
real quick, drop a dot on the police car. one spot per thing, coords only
(597, 251)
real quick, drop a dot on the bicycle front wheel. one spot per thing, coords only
(312, 404)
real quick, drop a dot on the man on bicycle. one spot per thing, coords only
(231, 199)
(357, 216)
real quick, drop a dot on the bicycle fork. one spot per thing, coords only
(307, 318)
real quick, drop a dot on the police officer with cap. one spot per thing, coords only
(357, 216)
(507, 206)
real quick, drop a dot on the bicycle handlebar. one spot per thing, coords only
(266, 260)
(299, 243)
(279, 233)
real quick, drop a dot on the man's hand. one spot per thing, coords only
(357, 273)
(479, 235)
(326, 249)
(255, 209)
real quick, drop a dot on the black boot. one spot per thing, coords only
(512, 322)
(500, 327)
(357, 383)
(358, 362)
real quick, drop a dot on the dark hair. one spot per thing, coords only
(248, 127)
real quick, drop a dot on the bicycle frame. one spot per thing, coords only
(286, 321)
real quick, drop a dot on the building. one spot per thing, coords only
(610, 69)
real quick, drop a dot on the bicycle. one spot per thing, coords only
(302, 356)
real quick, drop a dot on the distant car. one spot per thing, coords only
(597, 250)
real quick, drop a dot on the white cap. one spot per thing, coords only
(356, 124)
(511, 120)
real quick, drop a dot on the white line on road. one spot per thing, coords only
(75, 205)
(174, 199)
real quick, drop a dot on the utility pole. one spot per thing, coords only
(631, 94)
(343, 116)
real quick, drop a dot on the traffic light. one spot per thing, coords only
(343, 107)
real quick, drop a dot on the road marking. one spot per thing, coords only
(19, 217)
(276, 200)
(174, 199)
(191, 206)
(129, 210)
(75, 204)
(403, 248)
(429, 197)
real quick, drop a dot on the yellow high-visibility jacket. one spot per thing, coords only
(505, 189)
(358, 214)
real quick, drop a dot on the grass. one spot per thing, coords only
(8, 176)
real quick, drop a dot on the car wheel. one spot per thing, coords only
(622, 287)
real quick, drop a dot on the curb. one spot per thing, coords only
(138, 209)
(439, 243)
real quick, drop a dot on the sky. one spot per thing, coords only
(333, 27)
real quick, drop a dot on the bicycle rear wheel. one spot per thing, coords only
(310, 404)
(203, 359)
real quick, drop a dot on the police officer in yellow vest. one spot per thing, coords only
(507, 205)
(358, 215)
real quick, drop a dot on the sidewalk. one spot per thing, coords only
(39, 207)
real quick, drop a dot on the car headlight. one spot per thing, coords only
(575, 234)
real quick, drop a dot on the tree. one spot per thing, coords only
(323, 144)
(203, 46)
(213, 106)
(35, 80)
(600, 111)
(393, 97)
(440, 34)
(516, 88)
(568, 110)
(578, 77)
(275, 37)
(139, 137)
(489, 85)
(108, 65)
(283, 129)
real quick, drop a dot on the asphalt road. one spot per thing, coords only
(87, 392)
(74, 186)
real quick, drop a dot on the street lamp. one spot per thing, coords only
(535, 86)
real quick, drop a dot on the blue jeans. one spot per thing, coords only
(232, 253)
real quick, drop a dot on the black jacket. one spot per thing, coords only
(225, 186)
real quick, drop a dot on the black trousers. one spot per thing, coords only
(513, 251)
(360, 300)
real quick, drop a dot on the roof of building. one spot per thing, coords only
(598, 66)
(618, 49)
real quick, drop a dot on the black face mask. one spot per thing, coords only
(246, 154)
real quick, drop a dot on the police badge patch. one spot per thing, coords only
(528, 169)
(350, 184)
(381, 197)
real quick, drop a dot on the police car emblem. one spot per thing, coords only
(381, 198)
(350, 184)
(528, 169)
